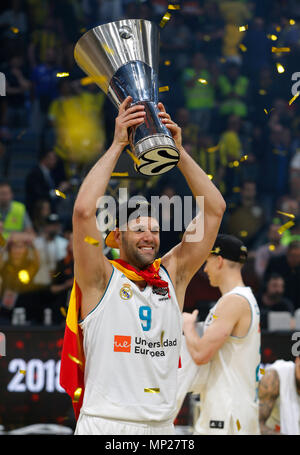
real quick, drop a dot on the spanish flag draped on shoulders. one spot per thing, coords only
(72, 358)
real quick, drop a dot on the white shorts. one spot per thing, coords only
(92, 425)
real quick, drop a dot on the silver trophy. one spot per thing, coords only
(122, 58)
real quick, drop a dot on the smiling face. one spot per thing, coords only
(139, 244)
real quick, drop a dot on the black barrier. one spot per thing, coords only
(29, 374)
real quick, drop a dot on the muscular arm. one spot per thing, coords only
(268, 393)
(91, 268)
(186, 258)
(227, 315)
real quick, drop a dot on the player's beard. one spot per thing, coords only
(135, 257)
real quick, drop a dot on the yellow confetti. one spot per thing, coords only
(236, 189)
(285, 227)
(289, 215)
(238, 424)
(202, 81)
(243, 28)
(243, 47)
(165, 19)
(162, 337)
(235, 163)
(62, 74)
(63, 311)
(262, 91)
(82, 30)
(244, 158)
(262, 371)
(61, 194)
(132, 155)
(152, 390)
(272, 37)
(56, 275)
(91, 240)
(173, 7)
(265, 111)
(22, 371)
(77, 395)
(216, 250)
(164, 89)
(280, 49)
(14, 30)
(2, 241)
(280, 68)
(294, 97)
(243, 233)
(167, 62)
(75, 359)
(292, 22)
(24, 276)
(119, 174)
(215, 317)
(213, 149)
(210, 176)
(272, 247)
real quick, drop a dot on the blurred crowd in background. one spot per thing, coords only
(231, 68)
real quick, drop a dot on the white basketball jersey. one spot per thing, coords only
(229, 403)
(132, 345)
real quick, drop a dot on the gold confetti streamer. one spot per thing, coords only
(244, 158)
(272, 37)
(243, 233)
(216, 250)
(294, 98)
(75, 359)
(292, 22)
(91, 240)
(289, 215)
(132, 155)
(210, 176)
(285, 227)
(22, 371)
(119, 174)
(63, 311)
(213, 149)
(272, 247)
(14, 30)
(280, 68)
(165, 19)
(77, 395)
(243, 47)
(202, 81)
(164, 89)
(238, 424)
(215, 317)
(262, 371)
(56, 275)
(62, 74)
(162, 337)
(167, 62)
(280, 49)
(24, 276)
(60, 194)
(243, 28)
(152, 390)
(173, 7)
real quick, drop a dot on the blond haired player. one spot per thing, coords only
(131, 327)
(230, 343)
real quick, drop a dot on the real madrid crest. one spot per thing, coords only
(126, 292)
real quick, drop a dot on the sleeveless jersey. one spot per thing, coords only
(229, 402)
(132, 342)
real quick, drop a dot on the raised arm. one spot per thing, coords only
(268, 393)
(186, 258)
(91, 268)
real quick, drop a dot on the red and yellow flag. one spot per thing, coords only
(72, 358)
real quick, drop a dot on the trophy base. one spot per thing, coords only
(157, 154)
